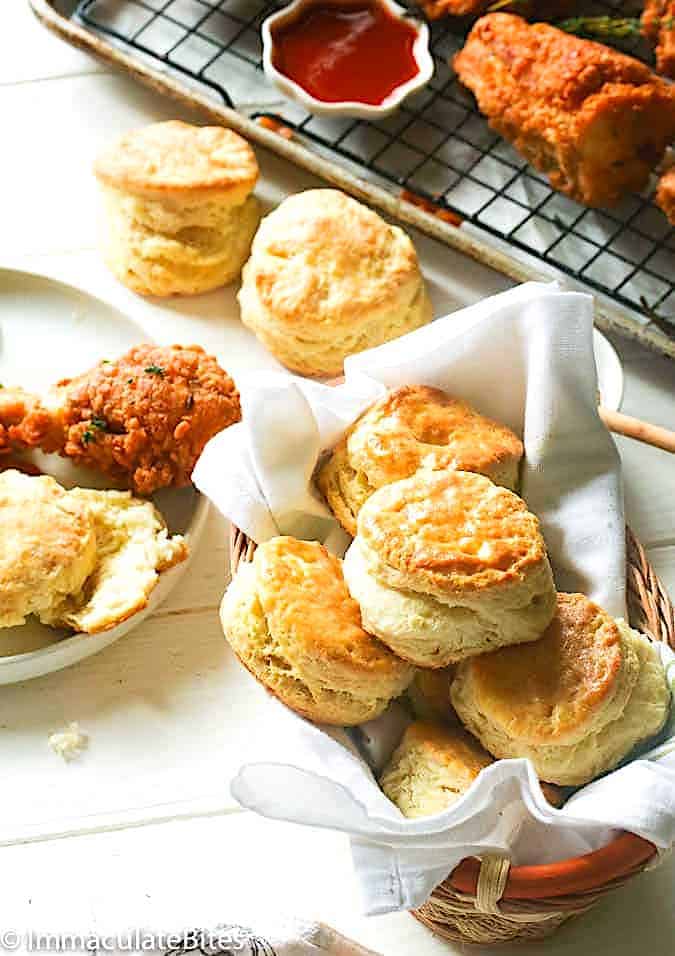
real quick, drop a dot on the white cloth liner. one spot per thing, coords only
(524, 357)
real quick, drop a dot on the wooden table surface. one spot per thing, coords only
(142, 830)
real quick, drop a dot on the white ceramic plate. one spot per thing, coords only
(49, 330)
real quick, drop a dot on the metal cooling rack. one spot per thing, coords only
(437, 146)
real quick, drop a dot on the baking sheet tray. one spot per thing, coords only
(207, 54)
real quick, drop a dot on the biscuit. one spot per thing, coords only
(82, 559)
(429, 695)
(575, 702)
(291, 622)
(446, 565)
(414, 427)
(431, 768)
(174, 160)
(434, 765)
(47, 545)
(133, 547)
(328, 278)
(180, 217)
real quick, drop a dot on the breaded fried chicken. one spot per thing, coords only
(595, 121)
(658, 23)
(534, 9)
(143, 419)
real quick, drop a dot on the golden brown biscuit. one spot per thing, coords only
(434, 765)
(575, 702)
(446, 565)
(431, 768)
(290, 620)
(429, 695)
(180, 217)
(81, 558)
(179, 161)
(327, 278)
(47, 545)
(133, 547)
(414, 427)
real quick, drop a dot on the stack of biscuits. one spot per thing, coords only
(445, 594)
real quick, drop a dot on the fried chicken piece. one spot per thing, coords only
(594, 120)
(665, 194)
(532, 9)
(143, 419)
(658, 23)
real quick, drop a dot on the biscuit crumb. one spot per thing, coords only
(69, 743)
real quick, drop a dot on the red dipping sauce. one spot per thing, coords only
(352, 53)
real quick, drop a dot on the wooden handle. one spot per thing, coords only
(641, 431)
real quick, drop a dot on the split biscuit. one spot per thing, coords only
(80, 558)
(47, 545)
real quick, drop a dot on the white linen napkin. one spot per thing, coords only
(524, 357)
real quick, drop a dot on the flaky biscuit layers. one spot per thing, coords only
(575, 702)
(47, 546)
(434, 765)
(78, 558)
(449, 565)
(327, 278)
(180, 217)
(414, 427)
(290, 620)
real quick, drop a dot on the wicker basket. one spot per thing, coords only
(489, 901)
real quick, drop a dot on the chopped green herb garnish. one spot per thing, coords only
(130, 381)
(155, 370)
(96, 424)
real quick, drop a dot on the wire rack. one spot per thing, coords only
(437, 146)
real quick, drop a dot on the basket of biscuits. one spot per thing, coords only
(465, 651)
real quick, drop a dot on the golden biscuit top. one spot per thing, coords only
(451, 531)
(450, 747)
(322, 257)
(419, 427)
(310, 611)
(177, 160)
(550, 690)
(43, 532)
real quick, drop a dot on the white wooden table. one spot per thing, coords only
(165, 843)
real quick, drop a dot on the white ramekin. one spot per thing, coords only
(292, 89)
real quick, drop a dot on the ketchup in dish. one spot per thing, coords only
(358, 52)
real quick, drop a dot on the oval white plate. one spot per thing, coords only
(49, 330)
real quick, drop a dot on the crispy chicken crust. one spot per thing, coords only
(595, 121)
(658, 23)
(665, 194)
(143, 419)
(535, 9)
